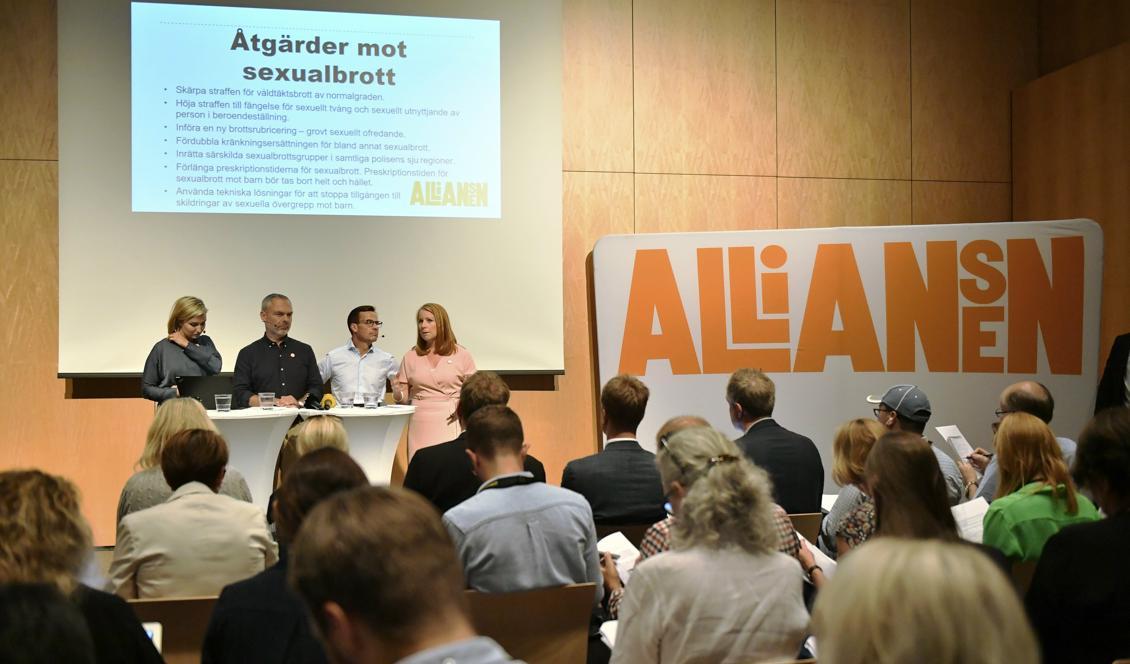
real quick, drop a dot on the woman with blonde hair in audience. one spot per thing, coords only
(321, 431)
(45, 539)
(147, 487)
(852, 518)
(1036, 496)
(723, 593)
(896, 600)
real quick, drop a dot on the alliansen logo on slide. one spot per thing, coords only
(457, 194)
(943, 303)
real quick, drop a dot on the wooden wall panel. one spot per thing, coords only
(1071, 30)
(93, 442)
(29, 80)
(817, 203)
(680, 203)
(561, 426)
(961, 202)
(596, 85)
(966, 57)
(843, 103)
(1070, 132)
(704, 87)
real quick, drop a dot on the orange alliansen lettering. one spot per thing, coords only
(1055, 309)
(655, 293)
(912, 304)
(973, 339)
(717, 356)
(748, 327)
(974, 265)
(836, 283)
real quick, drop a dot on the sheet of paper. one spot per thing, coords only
(956, 439)
(608, 633)
(626, 554)
(820, 558)
(828, 500)
(970, 518)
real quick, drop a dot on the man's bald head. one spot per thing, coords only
(1028, 396)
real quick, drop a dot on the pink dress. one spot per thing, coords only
(434, 391)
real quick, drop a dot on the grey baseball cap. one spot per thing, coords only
(906, 400)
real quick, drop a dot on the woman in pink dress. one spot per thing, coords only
(430, 378)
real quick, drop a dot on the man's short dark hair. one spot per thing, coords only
(195, 455)
(383, 555)
(354, 316)
(482, 388)
(624, 400)
(1104, 452)
(753, 390)
(494, 429)
(313, 478)
(907, 424)
(1039, 405)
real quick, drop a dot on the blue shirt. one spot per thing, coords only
(525, 537)
(350, 371)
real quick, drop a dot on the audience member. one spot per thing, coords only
(792, 460)
(853, 511)
(443, 473)
(722, 593)
(906, 408)
(197, 541)
(1114, 386)
(379, 575)
(621, 482)
(39, 626)
(1079, 600)
(148, 487)
(896, 601)
(1036, 496)
(321, 431)
(45, 539)
(261, 619)
(517, 533)
(1024, 397)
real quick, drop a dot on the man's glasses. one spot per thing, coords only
(371, 323)
(1001, 412)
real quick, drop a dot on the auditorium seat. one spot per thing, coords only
(184, 621)
(633, 532)
(549, 625)
(807, 525)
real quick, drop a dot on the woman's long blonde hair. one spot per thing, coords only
(850, 446)
(1028, 452)
(43, 536)
(173, 416)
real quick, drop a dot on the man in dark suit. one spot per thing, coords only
(622, 482)
(1114, 386)
(792, 460)
(443, 473)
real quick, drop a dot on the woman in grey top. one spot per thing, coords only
(148, 487)
(185, 352)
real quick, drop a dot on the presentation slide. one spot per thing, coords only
(307, 112)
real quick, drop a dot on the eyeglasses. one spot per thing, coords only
(371, 323)
(1001, 412)
(879, 412)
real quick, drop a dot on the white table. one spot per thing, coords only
(254, 437)
(374, 434)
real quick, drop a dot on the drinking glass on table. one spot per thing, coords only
(223, 403)
(345, 399)
(267, 400)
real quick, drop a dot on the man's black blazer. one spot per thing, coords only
(792, 461)
(443, 474)
(1112, 386)
(621, 483)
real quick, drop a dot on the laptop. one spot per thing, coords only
(204, 388)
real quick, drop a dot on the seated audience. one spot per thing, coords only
(896, 601)
(850, 448)
(261, 619)
(443, 473)
(381, 579)
(1036, 496)
(1079, 600)
(1027, 396)
(906, 408)
(40, 626)
(197, 541)
(723, 593)
(517, 533)
(148, 487)
(622, 482)
(792, 460)
(45, 539)
(311, 434)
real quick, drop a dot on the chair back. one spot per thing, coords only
(184, 621)
(807, 525)
(634, 532)
(549, 625)
(1022, 575)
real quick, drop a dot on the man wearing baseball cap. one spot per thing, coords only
(906, 408)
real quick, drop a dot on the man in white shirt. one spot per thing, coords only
(359, 367)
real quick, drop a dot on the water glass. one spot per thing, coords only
(267, 400)
(223, 403)
(345, 400)
(372, 399)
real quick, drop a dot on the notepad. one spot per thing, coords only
(970, 518)
(952, 435)
(626, 553)
(608, 633)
